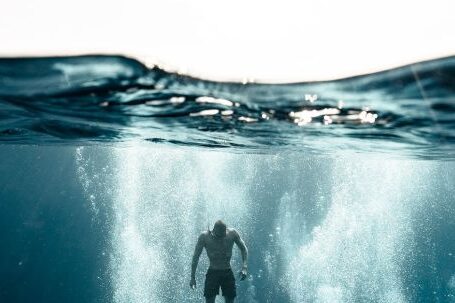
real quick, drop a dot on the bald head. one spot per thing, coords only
(219, 229)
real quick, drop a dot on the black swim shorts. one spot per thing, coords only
(216, 278)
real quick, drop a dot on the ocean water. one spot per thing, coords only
(342, 190)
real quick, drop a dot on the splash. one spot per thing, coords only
(359, 251)
(165, 200)
(319, 229)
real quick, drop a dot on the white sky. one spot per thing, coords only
(232, 40)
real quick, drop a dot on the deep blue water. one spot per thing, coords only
(343, 191)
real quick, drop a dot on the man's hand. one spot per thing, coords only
(243, 274)
(193, 283)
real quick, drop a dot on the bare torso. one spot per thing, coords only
(219, 250)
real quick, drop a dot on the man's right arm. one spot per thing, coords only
(196, 255)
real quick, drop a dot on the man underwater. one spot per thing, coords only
(218, 244)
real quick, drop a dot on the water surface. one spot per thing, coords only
(406, 111)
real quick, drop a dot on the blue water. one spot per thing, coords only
(79, 100)
(342, 190)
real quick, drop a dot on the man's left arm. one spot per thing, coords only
(244, 251)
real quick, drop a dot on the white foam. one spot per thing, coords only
(356, 253)
(165, 198)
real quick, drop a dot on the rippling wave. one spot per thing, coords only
(97, 99)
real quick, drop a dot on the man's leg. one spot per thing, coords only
(211, 286)
(228, 287)
(210, 299)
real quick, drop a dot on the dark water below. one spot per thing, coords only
(407, 111)
(343, 191)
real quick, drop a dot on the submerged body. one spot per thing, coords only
(218, 245)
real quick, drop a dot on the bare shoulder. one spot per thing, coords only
(233, 233)
(203, 235)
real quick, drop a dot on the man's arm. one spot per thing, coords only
(196, 255)
(239, 241)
